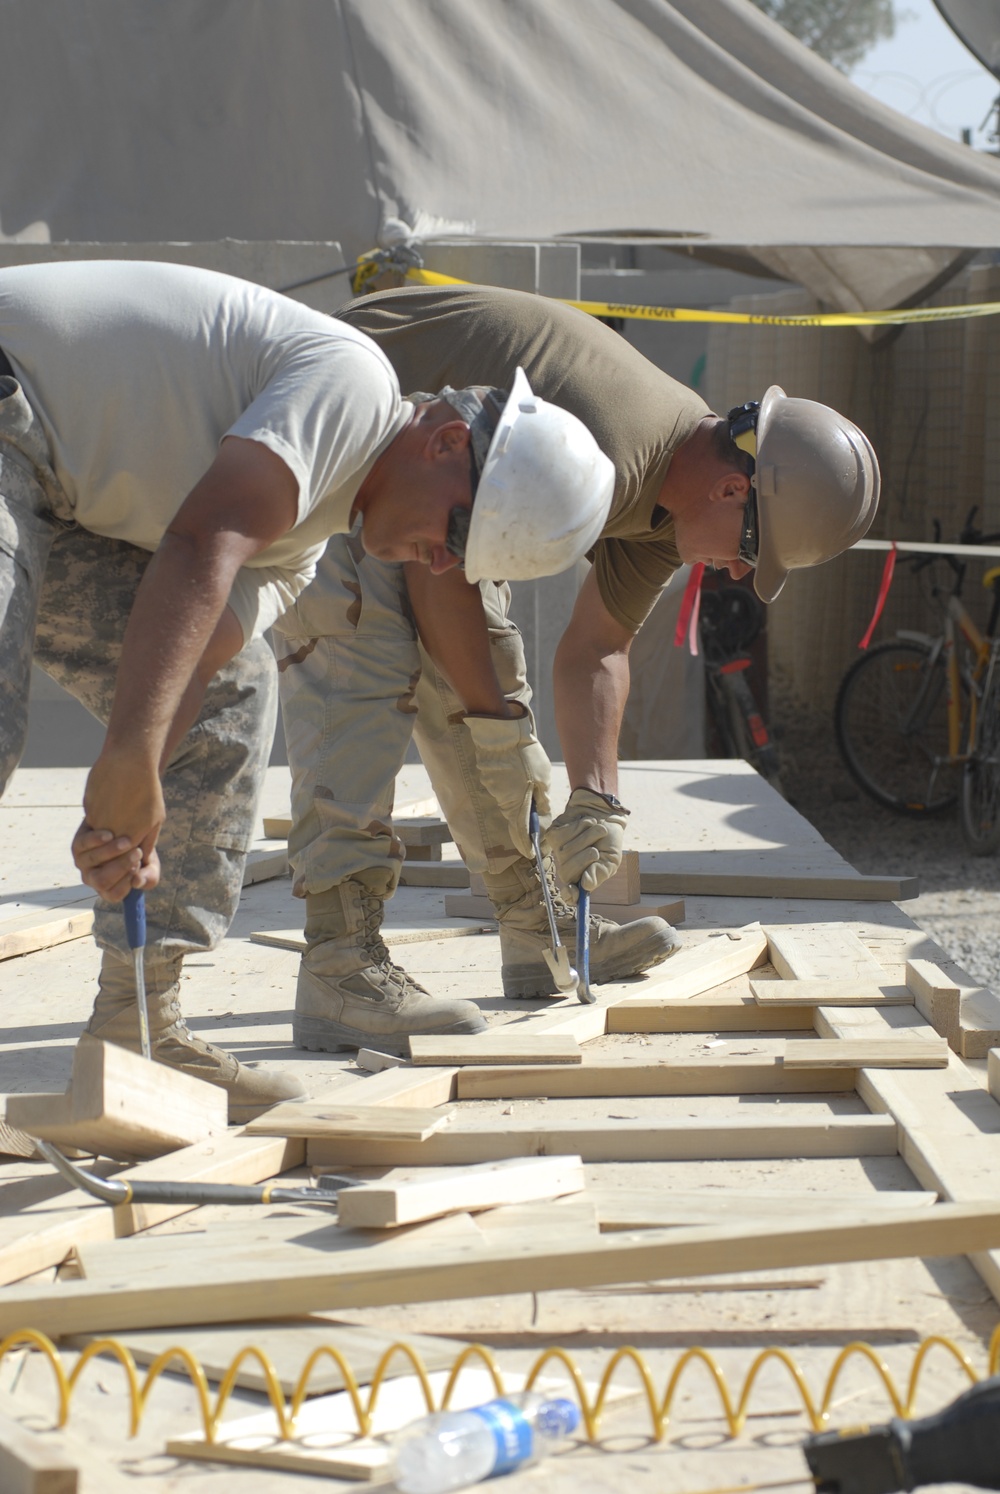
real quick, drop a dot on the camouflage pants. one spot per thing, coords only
(354, 684)
(65, 597)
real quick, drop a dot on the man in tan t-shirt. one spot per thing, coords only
(348, 652)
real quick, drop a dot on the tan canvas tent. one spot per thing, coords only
(700, 121)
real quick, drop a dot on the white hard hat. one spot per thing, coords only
(543, 495)
(817, 486)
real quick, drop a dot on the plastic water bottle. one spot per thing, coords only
(453, 1449)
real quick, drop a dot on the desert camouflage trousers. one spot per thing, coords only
(354, 686)
(65, 597)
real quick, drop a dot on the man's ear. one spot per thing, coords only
(732, 488)
(449, 439)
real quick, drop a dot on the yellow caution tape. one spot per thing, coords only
(630, 311)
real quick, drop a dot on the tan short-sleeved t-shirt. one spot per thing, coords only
(637, 414)
(138, 370)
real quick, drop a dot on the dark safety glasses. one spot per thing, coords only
(743, 433)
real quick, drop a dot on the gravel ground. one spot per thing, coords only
(960, 894)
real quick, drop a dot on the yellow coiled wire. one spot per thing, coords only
(735, 1410)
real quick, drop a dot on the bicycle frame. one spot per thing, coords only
(956, 621)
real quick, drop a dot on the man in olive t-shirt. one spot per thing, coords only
(772, 486)
(468, 678)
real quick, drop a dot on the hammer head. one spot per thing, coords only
(563, 973)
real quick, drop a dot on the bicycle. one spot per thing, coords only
(917, 717)
(729, 620)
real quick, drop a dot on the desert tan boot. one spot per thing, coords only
(616, 950)
(115, 1019)
(350, 994)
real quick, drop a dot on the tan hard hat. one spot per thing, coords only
(817, 483)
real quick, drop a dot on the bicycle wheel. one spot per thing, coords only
(979, 808)
(891, 719)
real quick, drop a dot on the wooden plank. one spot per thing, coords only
(949, 1126)
(28, 1465)
(848, 887)
(43, 930)
(618, 1140)
(288, 1346)
(824, 951)
(294, 939)
(701, 967)
(829, 993)
(902, 1052)
(458, 905)
(420, 830)
(265, 865)
(621, 1077)
(993, 1072)
(937, 998)
(385, 1205)
(121, 1105)
(653, 1208)
(499, 1046)
(716, 1013)
(335, 1122)
(979, 1030)
(353, 1279)
(406, 1086)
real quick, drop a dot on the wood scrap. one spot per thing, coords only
(121, 1105)
(29, 1465)
(900, 1052)
(498, 1046)
(457, 905)
(829, 993)
(294, 939)
(388, 1204)
(700, 967)
(308, 1118)
(979, 1028)
(623, 1139)
(352, 1279)
(264, 865)
(936, 997)
(949, 1126)
(993, 1072)
(656, 878)
(709, 1013)
(287, 1346)
(43, 930)
(621, 1077)
(373, 1062)
(657, 1208)
(824, 951)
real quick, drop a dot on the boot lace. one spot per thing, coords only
(372, 908)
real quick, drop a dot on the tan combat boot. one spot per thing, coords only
(350, 994)
(115, 1019)
(616, 950)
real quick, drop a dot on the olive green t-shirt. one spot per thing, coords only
(638, 415)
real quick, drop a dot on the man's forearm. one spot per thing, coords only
(590, 692)
(450, 620)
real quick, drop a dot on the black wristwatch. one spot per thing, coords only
(611, 800)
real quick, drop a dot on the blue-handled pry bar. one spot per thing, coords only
(557, 958)
(583, 991)
(134, 908)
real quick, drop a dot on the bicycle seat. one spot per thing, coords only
(992, 576)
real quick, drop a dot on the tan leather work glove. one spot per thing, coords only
(587, 839)
(514, 769)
